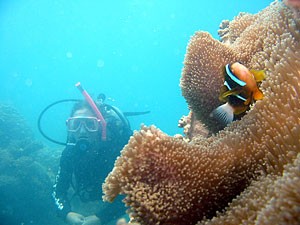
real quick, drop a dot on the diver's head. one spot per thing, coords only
(84, 128)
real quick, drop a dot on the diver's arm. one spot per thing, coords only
(62, 184)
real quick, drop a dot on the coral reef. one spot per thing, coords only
(12, 126)
(25, 179)
(192, 127)
(295, 7)
(250, 39)
(270, 200)
(168, 181)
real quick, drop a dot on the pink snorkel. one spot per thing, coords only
(94, 107)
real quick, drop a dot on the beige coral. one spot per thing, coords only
(252, 40)
(192, 127)
(167, 181)
(272, 199)
(202, 75)
(230, 31)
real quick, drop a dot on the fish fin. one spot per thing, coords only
(247, 102)
(240, 109)
(233, 91)
(259, 75)
(223, 114)
(224, 72)
(221, 97)
(258, 95)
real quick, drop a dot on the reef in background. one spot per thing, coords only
(26, 173)
(249, 172)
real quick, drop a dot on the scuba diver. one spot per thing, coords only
(96, 134)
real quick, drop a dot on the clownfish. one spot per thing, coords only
(239, 90)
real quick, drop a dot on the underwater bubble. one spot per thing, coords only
(69, 54)
(155, 43)
(111, 99)
(176, 51)
(100, 63)
(28, 82)
(134, 68)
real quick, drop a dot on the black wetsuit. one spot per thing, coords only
(90, 168)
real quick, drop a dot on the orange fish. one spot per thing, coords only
(239, 91)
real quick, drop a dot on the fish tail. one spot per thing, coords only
(259, 75)
(223, 114)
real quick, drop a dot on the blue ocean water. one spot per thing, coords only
(131, 50)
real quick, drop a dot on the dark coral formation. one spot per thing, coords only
(25, 182)
(168, 181)
(12, 126)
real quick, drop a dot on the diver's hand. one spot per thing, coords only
(92, 220)
(75, 218)
(121, 221)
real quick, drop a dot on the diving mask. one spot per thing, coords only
(90, 123)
